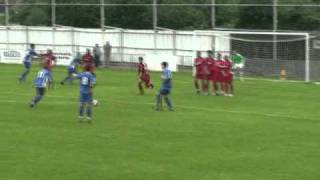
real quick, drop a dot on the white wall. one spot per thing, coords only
(126, 42)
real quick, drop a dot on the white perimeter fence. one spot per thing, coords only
(127, 45)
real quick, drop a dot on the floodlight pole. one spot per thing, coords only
(275, 15)
(155, 24)
(155, 15)
(213, 13)
(102, 15)
(275, 29)
(7, 13)
(53, 12)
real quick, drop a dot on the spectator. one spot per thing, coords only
(96, 55)
(107, 51)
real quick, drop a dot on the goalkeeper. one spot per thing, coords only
(238, 64)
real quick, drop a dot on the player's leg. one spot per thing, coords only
(205, 86)
(214, 87)
(151, 86)
(231, 84)
(37, 98)
(146, 81)
(241, 73)
(196, 85)
(231, 88)
(65, 79)
(71, 78)
(149, 83)
(223, 84)
(26, 71)
(158, 101)
(89, 108)
(81, 106)
(166, 94)
(140, 86)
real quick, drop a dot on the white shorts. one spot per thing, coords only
(238, 66)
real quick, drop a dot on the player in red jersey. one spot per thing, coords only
(87, 61)
(144, 76)
(198, 63)
(205, 75)
(48, 60)
(219, 74)
(213, 72)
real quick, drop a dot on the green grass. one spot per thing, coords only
(268, 131)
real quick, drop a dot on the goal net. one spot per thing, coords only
(267, 54)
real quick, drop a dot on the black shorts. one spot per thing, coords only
(40, 91)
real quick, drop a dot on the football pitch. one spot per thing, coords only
(268, 131)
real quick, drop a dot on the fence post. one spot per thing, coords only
(155, 25)
(213, 14)
(27, 37)
(53, 12)
(73, 48)
(7, 22)
(174, 39)
(122, 45)
(7, 13)
(102, 15)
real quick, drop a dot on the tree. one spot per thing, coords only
(30, 15)
(255, 17)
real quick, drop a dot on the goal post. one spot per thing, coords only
(266, 53)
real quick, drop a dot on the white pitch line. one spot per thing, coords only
(277, 115)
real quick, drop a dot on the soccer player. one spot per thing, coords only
(27, 62)
(88, 61)
(238, 64)
(41, 82)
(205, 75)
(165, 88)
(214, 70)
(144, 76)
(198, 61)
(72, 69)
(87, 82)
(49, 60)
(219, 74)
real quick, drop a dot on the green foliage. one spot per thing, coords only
(188, 18)
(129, 17)
(31, 16)
(2, 19)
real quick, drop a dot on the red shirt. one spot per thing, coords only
(198, 62)
(87, 59)
(213, 65)
(142, 68)
(48, 60)
(205, 66)
(228, 65)
(220, 64)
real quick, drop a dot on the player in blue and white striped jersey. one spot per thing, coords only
(41, 82)
(87, 82)
(27, 62)
(72, 69)
(165, 88)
